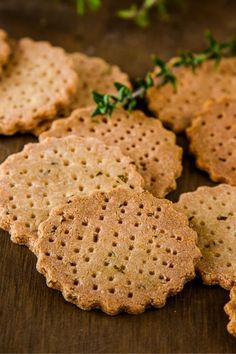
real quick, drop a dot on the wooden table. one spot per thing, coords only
(34, 318)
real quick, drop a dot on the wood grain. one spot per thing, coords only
(34, 318)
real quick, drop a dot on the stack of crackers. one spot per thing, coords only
(89, 198)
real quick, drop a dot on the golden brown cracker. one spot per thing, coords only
(212, 214)
(95, 74)
(37, 82)
(177, 109)
(230, 309)
(212, 138)
(117, 251)
(5, 49)
(43, 175)
(152, 147)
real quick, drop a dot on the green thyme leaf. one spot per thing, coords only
(92, 4)
(139, 11)
(162, 10)
(141, 14)
(142, 18)
(80, 6)
(123, 91)
(128, 14)
(187, 58)
(105, 103)
(146, 82)
(165, 73)
(149, 3)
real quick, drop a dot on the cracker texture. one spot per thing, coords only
(45, 174)
(152, 147)
(117, 251)
(208, 82)
(95, 74)
(212, 214)
(37, 82)
(217, 129)
(230, 309)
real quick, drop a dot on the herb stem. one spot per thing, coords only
(128, 99)
(139, 92)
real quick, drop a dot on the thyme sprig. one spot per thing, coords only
(128, 99)
(165, 74)
(125, 98)
(139, 12)
(215, 51)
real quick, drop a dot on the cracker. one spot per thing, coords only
(43, 175)
(117, 251)
(5, 49)
(38, 81)
(208, 82)
(230, 309)
(217, 129)
(95, 75)
(212, 214)
(153, 148)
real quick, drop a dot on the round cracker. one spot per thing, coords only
(151, 147)
(230, 309)
(208, 82)
(212, 214)
(38, 81)
(5, 49)
(217, 129)
(117, 251)
(95, 74)
(43, 175)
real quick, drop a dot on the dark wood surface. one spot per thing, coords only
(34, 318)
